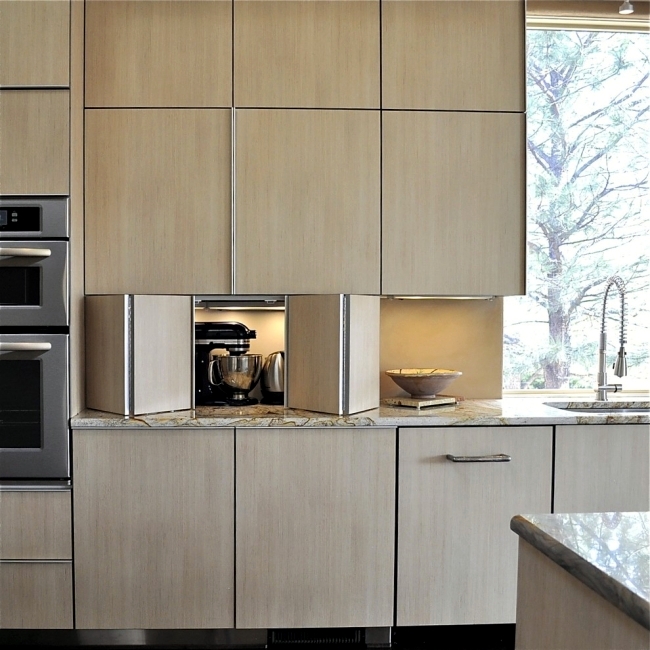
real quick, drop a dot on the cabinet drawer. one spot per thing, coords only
(457, 557)
(36, 595)
(35, 525)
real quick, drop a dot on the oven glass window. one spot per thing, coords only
(20, 286)
(20, 404)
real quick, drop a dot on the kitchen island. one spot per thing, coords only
(584, 581)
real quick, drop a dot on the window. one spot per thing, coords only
(588, 209)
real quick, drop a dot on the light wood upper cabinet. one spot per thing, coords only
(454, 217)
(460, 55)
(158, 201)
(154, 528)
(171, 54)
(315, 527)
(35, 141)
(307, 202)
(457, 558)
(602, 468)
(311, 54)
(35, 43)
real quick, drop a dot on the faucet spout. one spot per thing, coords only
(620, 365)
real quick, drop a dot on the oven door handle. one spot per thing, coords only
(25, 347)
(25, 252)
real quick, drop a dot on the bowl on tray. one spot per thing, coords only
(423, 383)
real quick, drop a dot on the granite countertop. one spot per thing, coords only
(503, 412)
(609, 552)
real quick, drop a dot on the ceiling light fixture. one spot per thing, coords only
(626, 8)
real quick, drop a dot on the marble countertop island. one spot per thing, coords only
(608, 552)
(513, 411)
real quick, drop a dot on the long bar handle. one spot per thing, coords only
(494, 458)
(25, 252)
(25, 347)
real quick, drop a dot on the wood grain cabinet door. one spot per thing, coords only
(154, 528)
(35, 43)
(168, 54)
(454, 209)
(158, 201)
(34, 141)
(602, 468)
(36, 595)
(454, 56)
(307, 201)
(315, 527)
(307, 54)
(457, 557)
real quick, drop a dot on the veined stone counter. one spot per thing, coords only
(608, 552)
(512, 411)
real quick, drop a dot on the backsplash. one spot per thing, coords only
(465, 335)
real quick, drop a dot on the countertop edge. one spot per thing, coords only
(591, 576)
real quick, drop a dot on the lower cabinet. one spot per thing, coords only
(35, 557)
(315, 527)
(154, 528)
(602, 468)
(456, 555)
(36, 595)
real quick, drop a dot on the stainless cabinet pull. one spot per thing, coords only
(494, 458)
(25, 347)
(25, 252)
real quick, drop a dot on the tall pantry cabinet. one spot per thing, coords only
(344, 146)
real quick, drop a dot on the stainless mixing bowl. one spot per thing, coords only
(238, 375)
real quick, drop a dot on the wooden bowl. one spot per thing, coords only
(423, 383)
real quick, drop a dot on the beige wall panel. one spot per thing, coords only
(315, 527)
(465, 335)
(34, 42)
(602, 468)
(163, 345)
(314, 362)
(307, 202)
(461, 55)
(453, 203)
(77, 360)
(307, 54)
(35, 144)
(158, 201)
(167, 54)
(555, 610)
(106, 360)
(154, 528)
(36, 595)
(363, 353)
(35, 525)
(457, 558)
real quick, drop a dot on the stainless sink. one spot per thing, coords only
(603, 407)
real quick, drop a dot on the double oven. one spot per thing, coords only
(34, 338)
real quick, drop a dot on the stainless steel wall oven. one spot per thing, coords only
(34, 338)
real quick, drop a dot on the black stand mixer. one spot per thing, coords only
(225, 379)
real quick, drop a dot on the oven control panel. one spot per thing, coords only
(20, 218)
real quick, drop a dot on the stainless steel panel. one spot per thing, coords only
(51, 460)
(54, 217)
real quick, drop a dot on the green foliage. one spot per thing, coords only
(588, 208)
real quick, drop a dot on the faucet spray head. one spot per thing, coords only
(620, 365)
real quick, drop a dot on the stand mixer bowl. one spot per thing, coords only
(237, 374)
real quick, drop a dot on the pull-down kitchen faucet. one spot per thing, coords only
(620, 365)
